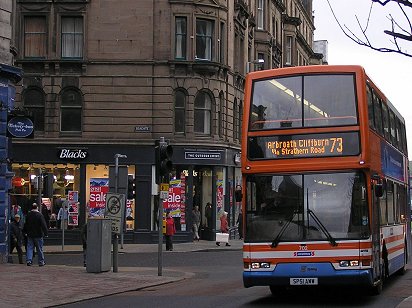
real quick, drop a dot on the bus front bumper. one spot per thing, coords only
(324, 272)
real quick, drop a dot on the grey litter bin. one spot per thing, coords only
(99, 240)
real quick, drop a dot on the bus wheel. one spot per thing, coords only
(277, 290)
(377, 289)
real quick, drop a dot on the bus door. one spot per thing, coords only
(375, 228)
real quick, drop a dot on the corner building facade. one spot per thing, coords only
(105, 78)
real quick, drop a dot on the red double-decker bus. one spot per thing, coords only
(325, 179)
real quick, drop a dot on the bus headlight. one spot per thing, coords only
(348, 263)
(257, 265)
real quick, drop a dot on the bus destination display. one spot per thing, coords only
(313, 145)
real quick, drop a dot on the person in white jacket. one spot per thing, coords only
(62, 216)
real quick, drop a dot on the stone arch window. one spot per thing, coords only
(34, 101)
(180, 110)
(71, 110)
(203, 113)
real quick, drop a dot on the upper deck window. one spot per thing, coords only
(303, 101)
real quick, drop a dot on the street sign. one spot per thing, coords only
(164, 187)
(115, 205)
(164, 191)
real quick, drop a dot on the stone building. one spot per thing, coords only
(112, 77)
(9, 76)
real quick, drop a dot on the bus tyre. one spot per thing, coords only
(277, 290)
(377, 289)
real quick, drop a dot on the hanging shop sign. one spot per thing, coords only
(203, 155)
(20, 127)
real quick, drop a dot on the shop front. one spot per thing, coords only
(78, 176)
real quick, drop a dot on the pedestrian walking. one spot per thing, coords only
(16, 237)
(238, 194)
(84, 243)
(170, 230)
(35, 228)
(46, 214)
(239, 223)
(208, 214)
(62, 217)
(224, 226)
(196, 217)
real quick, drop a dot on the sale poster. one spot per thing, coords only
(219, 196)
(73, 207)
(182, 199)
(73, 196)
(73, 219)
(99, 187)
(173, 202)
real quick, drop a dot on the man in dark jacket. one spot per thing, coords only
(16, 237)
(35, 228)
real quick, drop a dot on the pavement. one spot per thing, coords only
(54, 285)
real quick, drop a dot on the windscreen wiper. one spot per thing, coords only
(285, 226)
(322, 227)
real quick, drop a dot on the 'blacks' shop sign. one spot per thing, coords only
(72, 154)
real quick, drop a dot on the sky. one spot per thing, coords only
(391, 72)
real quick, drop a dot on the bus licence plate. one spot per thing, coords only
(303, 281)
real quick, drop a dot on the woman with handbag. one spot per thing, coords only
(224, 227)
(170, 230)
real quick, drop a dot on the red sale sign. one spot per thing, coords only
(174, 199)
(97, 200)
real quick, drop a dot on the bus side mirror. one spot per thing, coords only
(378, 190)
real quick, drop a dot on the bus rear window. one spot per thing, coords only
(303, 101)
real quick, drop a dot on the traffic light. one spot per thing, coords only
(131, 187)
(164, 165)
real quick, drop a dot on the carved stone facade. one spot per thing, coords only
(124, 74)
(9, 76)
(128, 58)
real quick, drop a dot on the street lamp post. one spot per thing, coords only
(258, 62)
(116, 186)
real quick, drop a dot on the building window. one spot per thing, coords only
(34, 102)
(72, 37)
(35, 37)
(180, 38)
(222, 42)
(289, 50)
(203, 113)
(221, 114)
(71, 110)
(240, 119)
(260, 15)
(261, 66)
(236, 120)
(180, 118)
(204, 39)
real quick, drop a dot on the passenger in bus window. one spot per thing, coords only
(289, 193)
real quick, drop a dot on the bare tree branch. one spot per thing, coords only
(402, 2)
(398, 35)
(397, 32)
